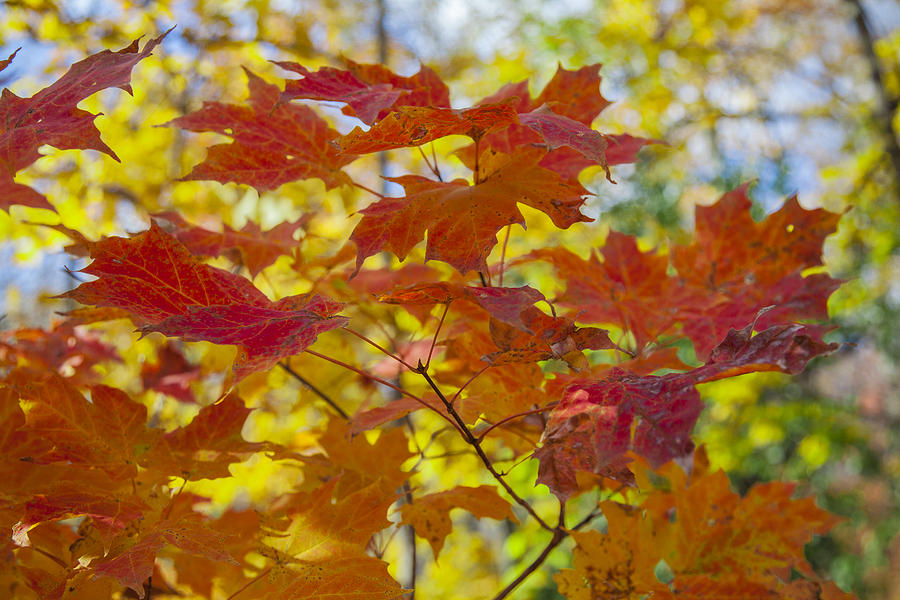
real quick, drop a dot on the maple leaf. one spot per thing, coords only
(135, 565)
(720, 284)
(368, 90)
(172, 374)
(107, 432)
(51, 117)
(597, 422)
(628, 288)
(322, 528)
(273, 142)
(359, 578)
(166, 289)
(544, 337)
(429, 515)
(417, 125)
(66, 348)
(360, 462)
(205, 447)
(560, 118)
(504, 304)
(250, 246)
(713, 540)
(462, 220)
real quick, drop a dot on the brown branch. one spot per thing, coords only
(476, 444)
(888, 102)
(558, 536)
(436, 332)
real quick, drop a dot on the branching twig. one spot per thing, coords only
(476, 444)
(383, 382)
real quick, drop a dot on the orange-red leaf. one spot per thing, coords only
(52, 117)
(205, 447)
(368, 90)
(172, 374)
(107, 432)
(597, 422)
(166, 289)
(462, 220)
(505, 304)
(273, 142)
(430, 515)
(250, 246)
(65, 349)
(735, 268)
(417, 125)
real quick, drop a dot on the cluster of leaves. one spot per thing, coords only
(95, 492)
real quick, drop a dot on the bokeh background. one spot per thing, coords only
(800, 96)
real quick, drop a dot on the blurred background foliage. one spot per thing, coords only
(799, 95)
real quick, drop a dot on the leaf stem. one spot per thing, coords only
(367, 189)
(503, 255)
(484, 433)
(476, 444)
(314, 389)
(55, 559)
(436, 332)
(466, 384)
(384, 350)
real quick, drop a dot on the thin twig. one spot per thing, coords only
(437, 170)
(466, 384)
(503, 256)
(482, 435)
(314, 390)
(473, 441)
(384, 350)
(55, 559)
(436, 332)
(407, 492)
(558, 536)
(382, 382)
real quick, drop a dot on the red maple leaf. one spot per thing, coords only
(368, 90)
(273, 142)
(462, 220)
(172, 374)
(167, 289)
(52, 117)
(560, 118)
(597, 422)
(505, 304)
(720, 283)
(417, 125)
(66, 349)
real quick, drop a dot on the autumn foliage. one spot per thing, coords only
(94, 492)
